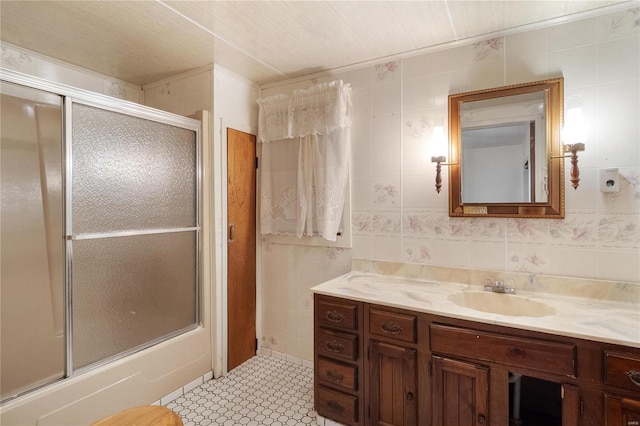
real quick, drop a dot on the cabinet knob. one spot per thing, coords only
(482, 419)
(634, 376)
(410, 396)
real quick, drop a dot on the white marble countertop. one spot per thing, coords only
(584, 318)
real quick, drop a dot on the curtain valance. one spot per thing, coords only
(318, 110)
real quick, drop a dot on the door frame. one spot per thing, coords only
(220, 294)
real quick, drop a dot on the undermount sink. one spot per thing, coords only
(503, 304)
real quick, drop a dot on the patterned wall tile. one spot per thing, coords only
(619, 230)
(577, 229)
(491, 50)
(487, 229)
(386, 72)
(361, 223)
(530, 231)
(386, 224)
(386, 194)
(620, 24)
(416, 251)
(417, 125)
(434, 225)
(525, 258)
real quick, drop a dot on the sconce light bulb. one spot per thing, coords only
(438, 143)
(576, 128)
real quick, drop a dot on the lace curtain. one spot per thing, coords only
(305, 141)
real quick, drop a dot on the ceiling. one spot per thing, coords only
(264, 41)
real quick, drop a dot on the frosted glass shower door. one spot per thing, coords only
(133, 233)
(32, 338)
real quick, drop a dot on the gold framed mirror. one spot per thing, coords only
(502, 144)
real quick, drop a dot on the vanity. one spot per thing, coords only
(395, 344)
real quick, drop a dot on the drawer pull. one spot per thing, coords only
(335, 406)
(410, 396)
(634, 376)
(334, 377)
(334, 346)
(334, 316)
(482, 419)
(390, 328)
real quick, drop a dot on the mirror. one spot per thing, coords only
(501, 153)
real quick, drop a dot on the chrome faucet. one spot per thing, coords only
(499, 286)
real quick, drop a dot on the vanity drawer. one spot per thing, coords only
(336, 344)
(393, 325)
(622, 370)
(337, 405)
(331, 312)
(338, 374)
(503, 349)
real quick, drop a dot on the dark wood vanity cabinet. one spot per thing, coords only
(377, 365)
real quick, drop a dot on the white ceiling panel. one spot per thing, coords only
(264, 41)
(135, 41)
(474, 18)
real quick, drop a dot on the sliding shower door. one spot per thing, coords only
(32, 338)
(99, 232)
(132, 232)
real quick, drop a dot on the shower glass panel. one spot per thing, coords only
(131, 290)
(134, 233)
(32, 336)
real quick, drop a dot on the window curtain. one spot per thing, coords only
(305, 140)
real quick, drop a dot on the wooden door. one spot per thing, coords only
(392, 393)
(241, 247)
(460, 393)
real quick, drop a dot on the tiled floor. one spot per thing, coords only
(262, 391)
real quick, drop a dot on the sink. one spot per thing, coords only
(503, 304)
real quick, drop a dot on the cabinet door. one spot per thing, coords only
(570, 405)
(621, 411)
(392, 393)
(460, 393)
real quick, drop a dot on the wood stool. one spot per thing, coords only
(147, 415)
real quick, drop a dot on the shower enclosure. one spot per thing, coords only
(100, 232)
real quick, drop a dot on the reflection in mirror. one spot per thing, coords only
(504, 149)
(501, 146)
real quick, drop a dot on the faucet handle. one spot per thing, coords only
(489, 284)
(499, 286)
(509, 287)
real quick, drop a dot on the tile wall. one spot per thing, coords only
(397, 214)
(28, 62)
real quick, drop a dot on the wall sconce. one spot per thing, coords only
(438, 150)
(574, 134)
